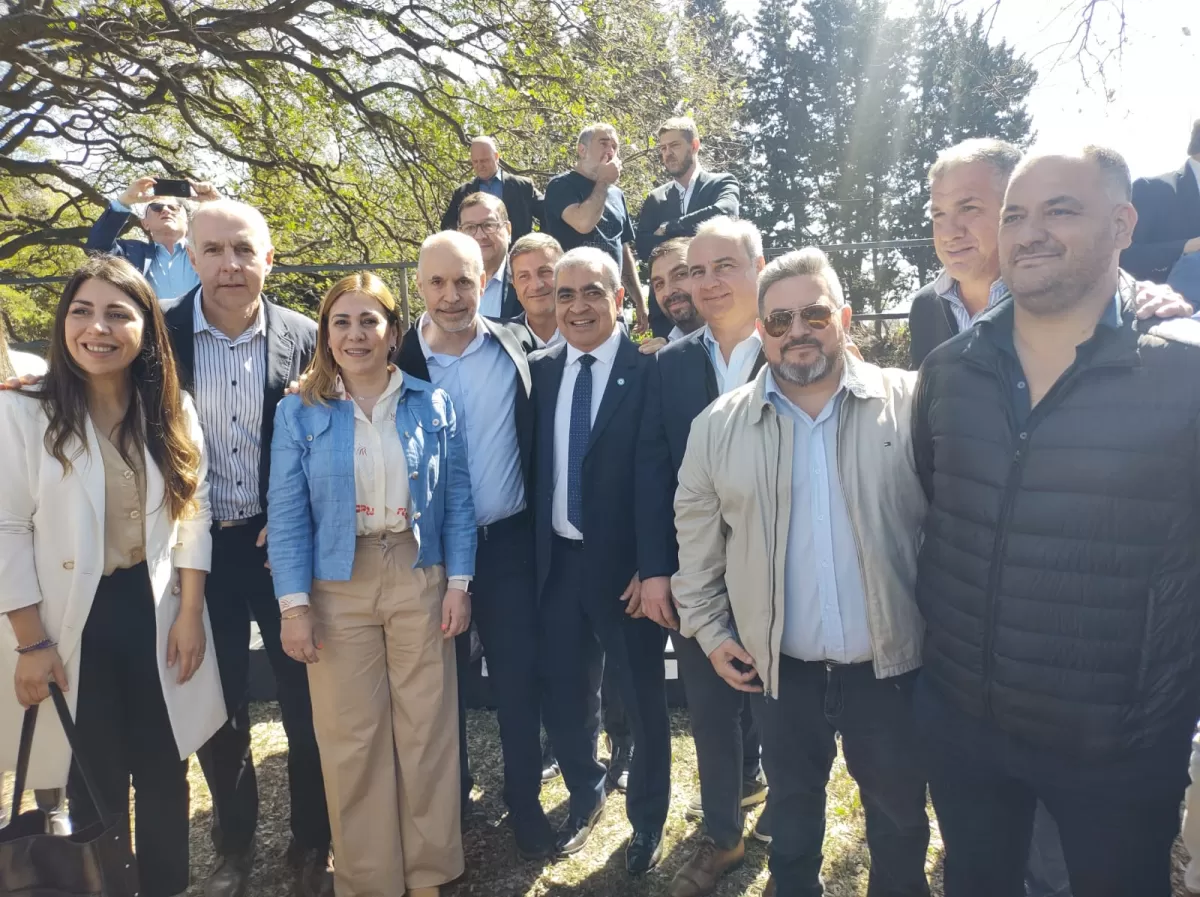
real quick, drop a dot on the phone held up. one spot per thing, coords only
(170, 187)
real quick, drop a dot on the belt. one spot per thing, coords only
(519, 520)
(259, 519)
(569, 544)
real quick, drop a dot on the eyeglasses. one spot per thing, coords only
(162, 207)
(777, 323)
(483, 227)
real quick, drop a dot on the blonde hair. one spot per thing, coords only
(320, 380)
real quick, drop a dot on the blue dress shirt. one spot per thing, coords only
(482, 384)
(493, 185)
(170, 273)
(825, 606)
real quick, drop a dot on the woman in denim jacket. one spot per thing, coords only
(369, 508)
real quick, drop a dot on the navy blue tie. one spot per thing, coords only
(577, 441)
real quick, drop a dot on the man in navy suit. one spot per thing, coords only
(680, 206)
(163, 261)
(588, 396)
(484, 218)
(1167, 234)
(521, 198)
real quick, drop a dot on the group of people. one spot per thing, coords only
(980, 577)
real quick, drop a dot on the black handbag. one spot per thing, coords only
(94, 862)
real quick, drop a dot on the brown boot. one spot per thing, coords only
(700, 874)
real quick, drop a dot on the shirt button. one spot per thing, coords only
(239, 482)
(68, 565)
(309, 437)
(413, 475)
(235, 450)
(436, 421)
(235, 383)
(128, 474)
(234, 417)
(1021, 385)
(135, 514)
(1024, 435)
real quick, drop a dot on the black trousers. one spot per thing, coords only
(874, 717)
(1117, 819)
(726, 737)
(504, 607)
(576, 626)
(238, 588)
(122, 720)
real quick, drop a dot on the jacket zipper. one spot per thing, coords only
(842, 414)
(774, 553)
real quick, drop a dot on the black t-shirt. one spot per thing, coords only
(612, 231)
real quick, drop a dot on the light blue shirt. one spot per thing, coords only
(170, 273)
(492, 301)
(825, 607)
(493, 185)
(482, 384)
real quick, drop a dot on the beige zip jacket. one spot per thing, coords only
(732, 516)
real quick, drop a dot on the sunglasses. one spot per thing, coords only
(162, 207)
(816, 317)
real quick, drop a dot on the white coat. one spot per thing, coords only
(52, 555)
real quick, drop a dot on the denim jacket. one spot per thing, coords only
(311, 501)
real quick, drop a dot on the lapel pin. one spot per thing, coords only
(620, 381)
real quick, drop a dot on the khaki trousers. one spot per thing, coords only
(385, 710)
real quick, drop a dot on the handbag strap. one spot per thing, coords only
(26, 748)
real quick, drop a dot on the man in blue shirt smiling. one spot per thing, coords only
(163, 260)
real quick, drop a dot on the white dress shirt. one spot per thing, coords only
(544, 344)
(689, 189)
(604, 354)
(735, 372)
(675, 334)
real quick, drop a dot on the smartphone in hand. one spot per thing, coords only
(172, 187)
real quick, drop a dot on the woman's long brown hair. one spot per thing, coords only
(155, 420)
(320, 380)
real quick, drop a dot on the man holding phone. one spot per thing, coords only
(163, 260)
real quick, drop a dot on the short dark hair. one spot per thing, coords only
(491, 203)
(1114, 168)
(533, 242)
(684, 124)
(675, 244)
(1194, 145)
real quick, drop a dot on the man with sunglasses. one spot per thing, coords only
(722, 263)
(163, 261)
(797, 515)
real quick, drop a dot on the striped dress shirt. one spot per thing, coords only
(229, 382)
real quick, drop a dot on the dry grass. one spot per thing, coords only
(494, 870)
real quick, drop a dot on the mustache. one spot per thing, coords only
(801, 341)
(677, 296)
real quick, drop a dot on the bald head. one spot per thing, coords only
(485, 158)
(229, 244)
(1066, 218)
(227, 214)
(450, 277)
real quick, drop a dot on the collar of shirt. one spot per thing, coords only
(395, 383)
(555, 339)
(714, 348)
(690, 185)
(999, 325)
(482, 334)
(200, 323)
(776, 397)
(675, 334)
(605, 353)
(174, 251)
(947, 288)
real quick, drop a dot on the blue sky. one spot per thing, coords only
(1149, 94)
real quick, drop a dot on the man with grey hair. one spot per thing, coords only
(585, 207)
(237, 351)
(678, 207)
(482, 365)
(588, 396)
(521, 198)
(163, 261)
(797, 578)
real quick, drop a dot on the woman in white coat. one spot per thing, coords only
(104, 547)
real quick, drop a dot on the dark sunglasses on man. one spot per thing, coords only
(157, 207)
(816, 317)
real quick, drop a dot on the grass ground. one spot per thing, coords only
(494, 870)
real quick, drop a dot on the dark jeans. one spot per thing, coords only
(1117, 819)
(504, 607)
(240, 586)
(576, 625)
(122, 720)
(816, 702)
(1046, 873)
(726, 737)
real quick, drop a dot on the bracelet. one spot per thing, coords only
(38, 646)
(294, 613)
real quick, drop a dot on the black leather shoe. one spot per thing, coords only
(313, 877)
(535, 843)
(618, 766)
(643, 851)
(573, 834)
(231, 877)
(550, 769)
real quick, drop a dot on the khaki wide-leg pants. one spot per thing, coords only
(385, 709)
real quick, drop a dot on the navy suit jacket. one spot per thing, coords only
(682, 383)
(291, 342)
(609, 518)
(715, 193)
(1168, 209)
(517, 342)
(104, 235)
(521, 199)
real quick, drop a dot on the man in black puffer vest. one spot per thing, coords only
(1059, 444)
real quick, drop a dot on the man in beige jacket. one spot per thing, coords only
(797, 512)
